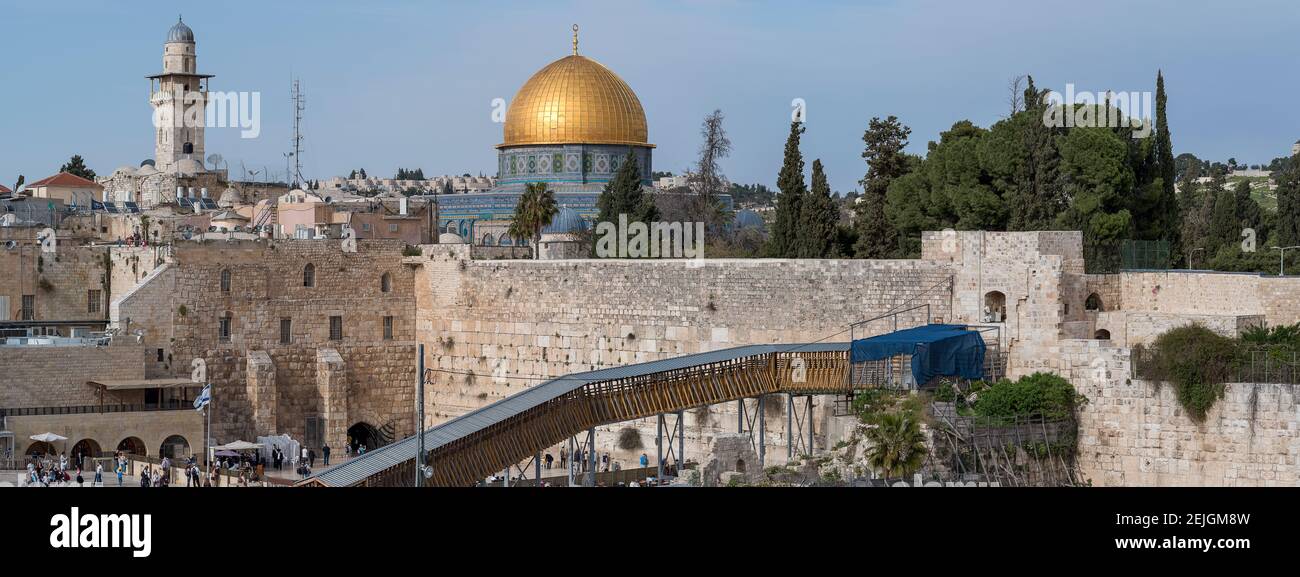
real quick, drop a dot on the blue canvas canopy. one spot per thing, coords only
(937, 351)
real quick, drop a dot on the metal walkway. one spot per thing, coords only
(466, 449)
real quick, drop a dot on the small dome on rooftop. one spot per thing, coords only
(180, 33)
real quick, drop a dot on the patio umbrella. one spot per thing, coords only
(224, 453)
(49, 437)
(239, 446)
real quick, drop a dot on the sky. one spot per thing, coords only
(410, 84)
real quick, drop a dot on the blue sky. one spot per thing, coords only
(410, 84)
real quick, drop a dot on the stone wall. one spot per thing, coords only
(108, 430)
(493, 328)
(180, 309)
(55, 376)
(1135, 433)
(59, 283)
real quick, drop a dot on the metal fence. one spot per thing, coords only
(93, 409)
(1261, 365)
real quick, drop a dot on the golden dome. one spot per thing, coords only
(575, 100)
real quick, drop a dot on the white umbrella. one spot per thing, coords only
(239, 446)
(49, 437)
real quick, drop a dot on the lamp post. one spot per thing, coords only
(1190, 255)
(1281, 267)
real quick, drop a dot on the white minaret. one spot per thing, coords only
(179, 96)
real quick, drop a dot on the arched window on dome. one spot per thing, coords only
(309, 275)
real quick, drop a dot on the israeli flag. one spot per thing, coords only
(204, 398)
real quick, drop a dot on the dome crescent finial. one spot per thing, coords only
(575, 39)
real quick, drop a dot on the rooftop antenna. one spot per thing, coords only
(299, 104)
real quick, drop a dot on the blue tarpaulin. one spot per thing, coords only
(937, 351)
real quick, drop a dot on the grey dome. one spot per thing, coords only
(566, 221)
(180, 33)
(749, 219)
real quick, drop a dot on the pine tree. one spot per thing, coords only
(1168, 208)
(76, 165)
(784, 238)
(624, 195)
(1288, 204)
(885, 141)
(818, 217)
(1248, 211)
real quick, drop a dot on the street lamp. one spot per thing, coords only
(1281, 267)
(1190, 255)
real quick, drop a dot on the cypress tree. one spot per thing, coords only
(1288, 204)
(885, 140)
(818, 217)
(790, 182)
(1168, 208)
(624, 195)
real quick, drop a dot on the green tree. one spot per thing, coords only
(1288, 204)
(783, 241)
(885, 141)
(535, 210)
(77, 166)
(1095, 173)
(897, 446)
(624, 195)
(1170, 217)
(818, 217)
(1021, 158)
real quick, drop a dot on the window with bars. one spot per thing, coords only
(286, 331)
(309, 275)
(29, 307)
(93, 298)
(225, 280)
(223, 331)
(336, 328)
(388, 328)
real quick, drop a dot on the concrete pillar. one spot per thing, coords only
(262, 392)
(332, 384)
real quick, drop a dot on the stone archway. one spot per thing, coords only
(133, 446)
(84, 451)
(175, 447)
(995, 307)
(39, 448)
(363, 434)
(1093, 303)
(1102, 335)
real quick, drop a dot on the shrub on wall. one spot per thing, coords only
(1044, 394)
(629, 439)
(1197, 361)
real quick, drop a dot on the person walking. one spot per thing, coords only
(549, 460)
(303, 460)
(311, 458)
(325, 452)
(99, 475)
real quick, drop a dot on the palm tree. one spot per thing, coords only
(534, 212)
(897, 445)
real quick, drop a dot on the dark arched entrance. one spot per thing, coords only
(133, 446)
(84, 451)
(175, 447)
(363, 435)
(1102, 335)
(40, 448)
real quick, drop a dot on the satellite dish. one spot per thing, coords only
(214, 159)
(10, 245)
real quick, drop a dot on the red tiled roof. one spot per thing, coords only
(63, 179)
(4, 189)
